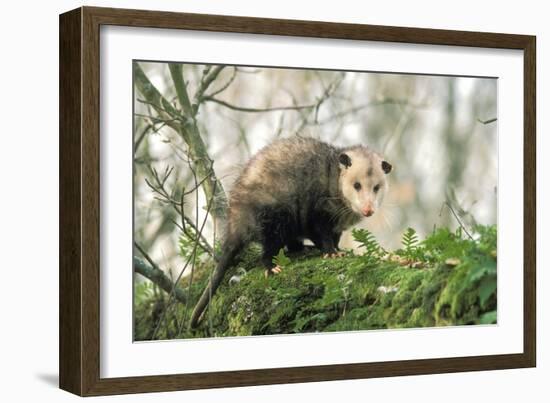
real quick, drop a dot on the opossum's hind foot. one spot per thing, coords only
(334, 255)
(273, 270)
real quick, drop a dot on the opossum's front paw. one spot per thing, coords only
(334, 255)
(273, 270)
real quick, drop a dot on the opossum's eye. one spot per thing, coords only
(345, 160)
(386, 167)
(376, 188)
(357, 186)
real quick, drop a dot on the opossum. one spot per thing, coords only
(296, 189)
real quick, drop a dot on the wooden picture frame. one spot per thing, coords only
(79, 346)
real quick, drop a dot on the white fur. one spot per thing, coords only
(362, 161)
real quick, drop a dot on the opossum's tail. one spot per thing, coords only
(230, 251)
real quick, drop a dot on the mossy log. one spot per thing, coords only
(314, 294)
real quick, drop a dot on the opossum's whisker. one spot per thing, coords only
(390, 205)
(384, 217)
(390, 210)
(340, 213)
(334, 217)
(389, 216)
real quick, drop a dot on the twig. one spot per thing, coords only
(398, 130)
(456, 217)
(160, 189)
(141, 136)
(205, 247)
(206, 80)
(332, 87)
(486, 122)
(226, 85)
(154, 119)
(157, 276)
(173, 115)
(357, 108)
(258, 110)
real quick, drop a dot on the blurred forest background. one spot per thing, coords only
(196, 126)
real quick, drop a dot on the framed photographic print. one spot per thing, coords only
(249, 201)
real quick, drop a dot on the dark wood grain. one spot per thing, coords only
(90, 202)
(305, 374)
(315, 29)
(530, 202)
(70, 271)
(80, 196)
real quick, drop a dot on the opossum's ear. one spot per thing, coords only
(345, 160)
(386, 167)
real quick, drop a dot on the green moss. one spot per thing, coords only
(313, 294)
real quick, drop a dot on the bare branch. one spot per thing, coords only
(141, 136)
(226, 85)
(152, 272)
(486, 122)
(313, 106)
(379, 102)
(158, 187)
(456, 218)
(258, 110)
(206, 80)
(181, 90)
(332, 87)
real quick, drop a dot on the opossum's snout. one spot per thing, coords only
(367, 211)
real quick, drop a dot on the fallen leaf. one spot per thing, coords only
(452, 261)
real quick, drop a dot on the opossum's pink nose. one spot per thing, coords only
(367, 211)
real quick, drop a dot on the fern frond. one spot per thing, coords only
(373, 250)
(410, 240)
(281, 259)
